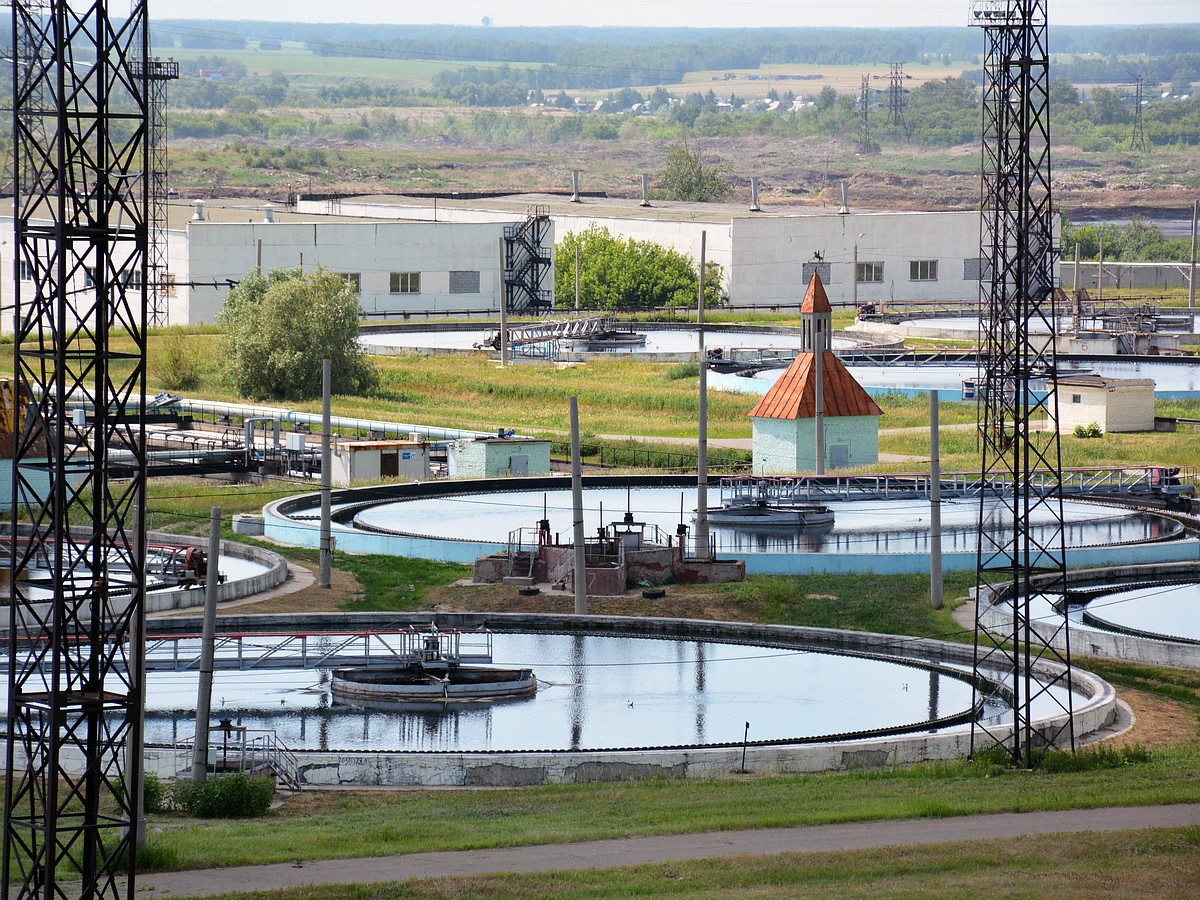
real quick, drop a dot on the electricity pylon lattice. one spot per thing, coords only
(896, 92)
(1021, 666)
(156, 74)
(1137, 139)
(77, 543)
(864, 117)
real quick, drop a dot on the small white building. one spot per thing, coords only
(494, 457)
(358, 461)
(1115, 404)
(784, 422)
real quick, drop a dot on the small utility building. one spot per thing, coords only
(1115, 404)
(356, 461)
(493, 457)
(785, 421)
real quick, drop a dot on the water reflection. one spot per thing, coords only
(596, 692)
(860, 526)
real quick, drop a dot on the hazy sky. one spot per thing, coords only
(695, 13)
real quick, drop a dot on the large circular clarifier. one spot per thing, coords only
(860, 526)
(594, 692)
(1167, 611)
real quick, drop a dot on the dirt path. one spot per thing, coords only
(608, 854)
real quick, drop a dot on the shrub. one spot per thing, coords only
(683, 370)
(1091, 430)
(1089, 758)
(225, 796)
(177, 365)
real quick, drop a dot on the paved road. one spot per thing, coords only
(633, 851)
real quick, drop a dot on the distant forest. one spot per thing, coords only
(625, 57)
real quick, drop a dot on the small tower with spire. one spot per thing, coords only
(785, 421)
(816, 319)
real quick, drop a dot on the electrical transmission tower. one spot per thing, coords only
(1137, 140)
(895, 93)
(864, 118)
(1019, 665)
(77, 545)
(156, 74)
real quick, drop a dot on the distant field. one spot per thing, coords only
(304, 64)
(806, 79)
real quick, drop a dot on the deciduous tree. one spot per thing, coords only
(279, 327)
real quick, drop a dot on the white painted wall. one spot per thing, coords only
(769, 253)
(788, 446)
(218, 252)
(1122, 405)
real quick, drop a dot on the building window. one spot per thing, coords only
(977, 269)
(354, 279)
(26, 270)
(132, 279)
(168, 284)
(1077, 398)
(922, 270)
(405, 283)
(89, 276)
(870, 272)
(464, 282)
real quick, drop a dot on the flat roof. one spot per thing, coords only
(251, 210)
(559, 204)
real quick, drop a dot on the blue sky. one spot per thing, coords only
(698, 13)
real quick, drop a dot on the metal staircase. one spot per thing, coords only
(528, 261)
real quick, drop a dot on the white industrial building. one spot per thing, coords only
(411, 256)
(768, 256)
(1113, 404)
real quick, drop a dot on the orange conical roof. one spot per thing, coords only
(815, 298)
(793, 396)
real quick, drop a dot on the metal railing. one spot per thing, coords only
(255, 751)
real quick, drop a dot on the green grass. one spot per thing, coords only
(397, 584)
(889, 604)
(371, 824)
(1152, 862)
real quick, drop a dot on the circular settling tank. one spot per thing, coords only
(859, 526)
(594, 692)
(1166, 611)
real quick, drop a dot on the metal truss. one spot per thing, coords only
(78, 558)
(1028, 663)
(528, 260)
(864, 115)
(895, 95)
(156, 74)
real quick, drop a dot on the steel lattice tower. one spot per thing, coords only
(156, 75)
(864, 117)
(1021, 539)
(78, 575)
(896, 91)
(1137, 140)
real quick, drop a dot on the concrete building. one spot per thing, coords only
(1114, 404)
(862, 256)
(398, 267)
(358, 461)
(493, 457)
(784, 423)
(410, 256)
